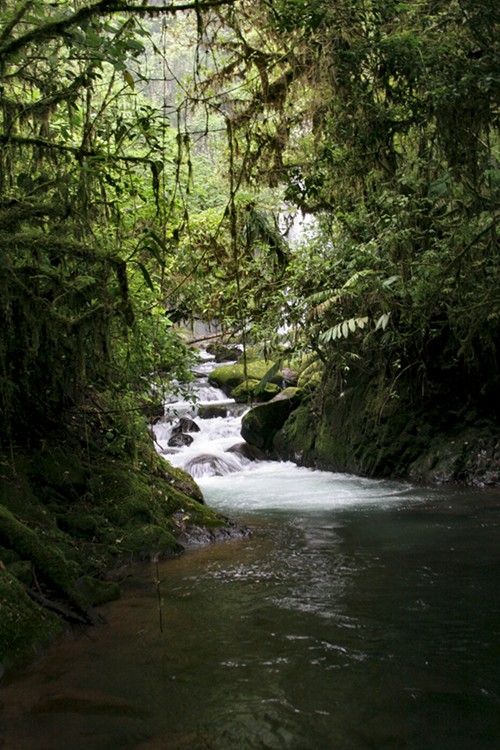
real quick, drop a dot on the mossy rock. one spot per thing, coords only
(250, 391)
(25, 628)
(92, 591)
(311, 375)
(228, 377)
(223, 353)
(296, 439)
(70, 511)
(48, 559)
(212, 411)
(150, 541)
(260, 424)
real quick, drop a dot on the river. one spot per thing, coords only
(358, 615)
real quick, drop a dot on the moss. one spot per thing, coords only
(311, 373)
(250, 391)
(25, 628)
(228, 377)
(149, 541)
(362, 423)
(260, 424)
(69, 510)
(45, 555)
(296, 439)
(92, 592)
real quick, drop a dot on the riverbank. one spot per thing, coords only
(349, 434)
(362, 424)
(73, 509)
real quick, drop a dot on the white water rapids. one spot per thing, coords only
(235, 484)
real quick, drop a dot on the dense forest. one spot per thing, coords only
(154, 158)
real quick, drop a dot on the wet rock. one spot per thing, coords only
(223, 353)
(290, 377)
(206, 464)
(201, 535)
(228, 377)
(251, 391)
(93, 591)
(260, 424)
(250, 452)
(180, 440)
(211, 411)
(185, 424)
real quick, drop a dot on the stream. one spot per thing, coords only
(358, 615)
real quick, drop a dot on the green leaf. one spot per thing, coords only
(267, 377)
(129, 79)
(390, 281)
(147, 277)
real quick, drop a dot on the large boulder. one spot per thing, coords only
(228, 377)
(260, 424)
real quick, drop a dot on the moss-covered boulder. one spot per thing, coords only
(310, 375)
(362, 424)
(260, 424)
(251, 391)
(228, 377)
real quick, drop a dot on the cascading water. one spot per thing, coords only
(234, 482)
(210, 446)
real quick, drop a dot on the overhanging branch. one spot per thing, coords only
(101, 8)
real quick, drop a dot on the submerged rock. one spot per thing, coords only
(250, 452)
(208, 464)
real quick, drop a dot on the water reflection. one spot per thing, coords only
(356, 627)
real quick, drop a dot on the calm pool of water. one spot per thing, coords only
(359, 615)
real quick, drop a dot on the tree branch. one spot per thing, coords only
(101, 8)
(74, 150)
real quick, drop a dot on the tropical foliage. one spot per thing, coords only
(381, 119)
(144, 154)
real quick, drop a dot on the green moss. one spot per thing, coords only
(149, 541)
(250, 391)
(311, 373)
(25, 628)
(260, 424)
(70, 509)
(45, 555)
(296, 439)
(228, 377)
(91, 591)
